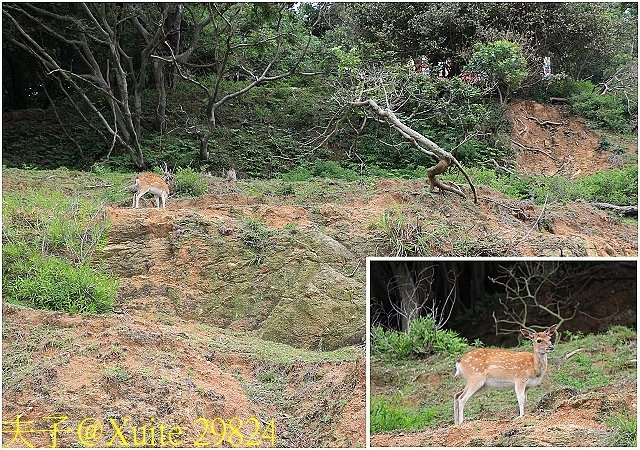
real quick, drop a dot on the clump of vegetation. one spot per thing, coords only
(116, 374)
(401, 237)
(54, 283)
(422, 337)
(189, 182)
(625, 430)
(502, 62)
(49, 242)
(607, 111)
(387, 415)
(255, 234)
(618, 186)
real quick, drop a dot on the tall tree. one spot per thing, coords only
(103, 63)
(256, 43)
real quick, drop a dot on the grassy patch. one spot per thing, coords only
(618, 186)
(50, 240)
(267, 351)
(402, 237)
(21, 359)
(53, 283)
(624, 430)
(388, 415)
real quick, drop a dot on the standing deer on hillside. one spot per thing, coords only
(159, 186)
(502, 369)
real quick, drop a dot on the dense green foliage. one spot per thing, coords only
(619, 186)
(53, 283)
(49, 242)
(502, 62)
(422, 337)
(269, 129)
(583, 39)
(189, 182)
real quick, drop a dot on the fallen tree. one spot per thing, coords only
(365, 96)
(622, 210)
(423, 144)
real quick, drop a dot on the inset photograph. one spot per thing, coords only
(474, 353)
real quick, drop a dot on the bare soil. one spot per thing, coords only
(575, 420)
(203, 323)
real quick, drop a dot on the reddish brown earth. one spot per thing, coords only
(171, 375)
(167, 356)
(572, 421)
(550, 141)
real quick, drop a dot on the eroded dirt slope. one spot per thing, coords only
(209, 322)
(550, 141)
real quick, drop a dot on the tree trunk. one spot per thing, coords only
(204, 145)
(407, 290)
(161, 92)
(173, 26)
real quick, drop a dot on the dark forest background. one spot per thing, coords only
(492, 300)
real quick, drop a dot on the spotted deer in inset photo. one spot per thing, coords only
(497, 368)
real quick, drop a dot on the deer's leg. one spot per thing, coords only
(521, 393)
(470, 389)
(156, 199)
(456, 407)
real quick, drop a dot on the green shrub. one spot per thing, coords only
(255, 234)
(53, 283)
(49, 241)
(608, 111)
(421, 337)
(300, 173)
(563, 86)
(625, 430)
(618, 186)
(189, 182)
(388, 415)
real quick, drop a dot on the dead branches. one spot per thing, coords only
(421, 143)
(533, 149)
(533, 294)
(543, 123)
(621, 210)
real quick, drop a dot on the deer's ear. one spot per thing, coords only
(527, 333)
(551, 330)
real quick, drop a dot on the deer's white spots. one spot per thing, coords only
(503, 368)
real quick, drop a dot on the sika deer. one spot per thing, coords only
(503, 368)
(159, 186)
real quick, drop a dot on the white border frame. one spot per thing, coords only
(369, 259)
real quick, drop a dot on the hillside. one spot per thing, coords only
(587, 398)
(248, 301)
(204, 325)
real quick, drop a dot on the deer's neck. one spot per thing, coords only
(539, 363)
